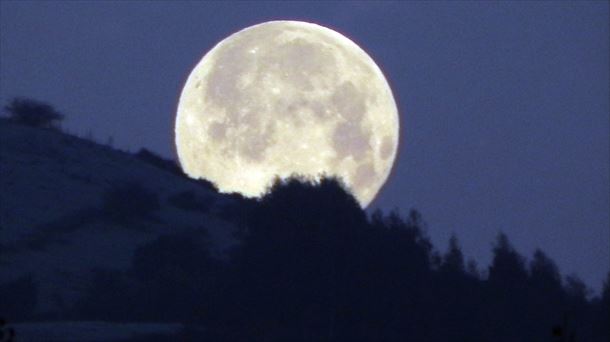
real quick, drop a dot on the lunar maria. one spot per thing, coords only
(283, 98)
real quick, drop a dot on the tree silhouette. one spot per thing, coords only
(506, 293)
(453, 261)
(576, 289)
(544, 273)
(312, 266)
(33, 113)
(606, 290)
(507, 267)
(294, 260)
(602, 311)
(544, 295)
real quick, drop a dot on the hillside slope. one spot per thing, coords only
(56, 192)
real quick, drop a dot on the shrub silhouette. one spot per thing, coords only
(33, 113)
(172, 279)
(179, 276)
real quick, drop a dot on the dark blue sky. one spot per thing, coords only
(504, 106)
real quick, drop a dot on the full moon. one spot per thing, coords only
(283, 98)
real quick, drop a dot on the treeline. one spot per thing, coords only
(313, 267)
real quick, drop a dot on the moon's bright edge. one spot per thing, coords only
(283, 98)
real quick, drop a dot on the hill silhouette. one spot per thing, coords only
(93, 234)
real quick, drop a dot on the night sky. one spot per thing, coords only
(504, 107)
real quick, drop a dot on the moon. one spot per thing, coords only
(283, 98)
